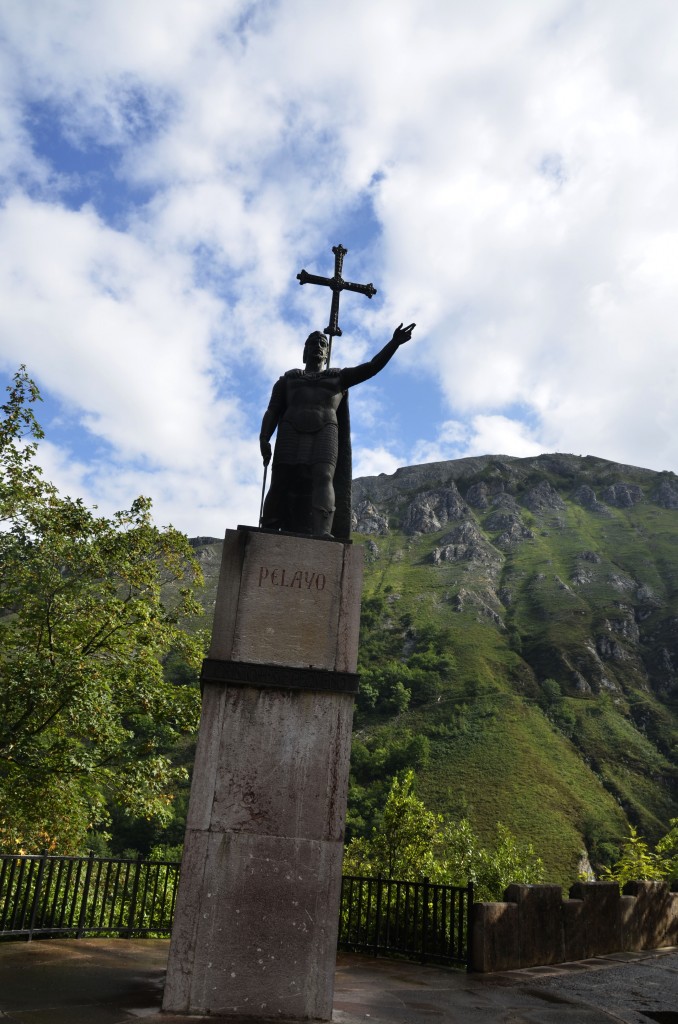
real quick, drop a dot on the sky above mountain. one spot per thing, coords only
(505, 174)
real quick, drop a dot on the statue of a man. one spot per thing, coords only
(311, 477)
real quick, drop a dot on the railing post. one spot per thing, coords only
(83, 906)
(377, 924)
(36, 893)
(135, 893)
(424, 921)
(469, 926)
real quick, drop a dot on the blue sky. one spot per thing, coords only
(504, 173)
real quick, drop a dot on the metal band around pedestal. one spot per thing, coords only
(281, 677)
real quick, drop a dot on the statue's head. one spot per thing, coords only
(316, 342)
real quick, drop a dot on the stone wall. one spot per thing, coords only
(536, 926)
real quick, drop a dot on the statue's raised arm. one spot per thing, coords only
(357, 374)
(311, 480)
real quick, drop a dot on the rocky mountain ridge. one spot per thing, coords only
(545, 590)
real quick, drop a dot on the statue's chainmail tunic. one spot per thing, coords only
(292, 448)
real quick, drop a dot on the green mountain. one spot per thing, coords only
(519, 648)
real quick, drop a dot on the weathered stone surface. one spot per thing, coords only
(666, 494)
(508, 519)
(535, 926)
(515, 534)
(487, 605)
(622, 495)
(287, 600)
(586, 496)
(372, 551)
(626, 627)
(646, 596)
(368, 519)
(478, 495)
(430, 511)
(255, 926)
(592, 920)
(621, 581)
(257, 936)
(503, 519)
(543, 497)
(610, 648)
(278, 762)
(505, 501)
(649, 915)
(539, 927)
(466, 543)
(590, 556)
(495, 937)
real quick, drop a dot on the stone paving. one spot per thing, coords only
(116, 981)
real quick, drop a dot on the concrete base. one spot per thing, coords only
(256, 921)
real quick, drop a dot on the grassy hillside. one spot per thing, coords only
(519, 648)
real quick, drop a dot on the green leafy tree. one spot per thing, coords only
(510, 860)
(667, 849)
(403, 844)
(636, 862)
(87, 717)
(411, 843)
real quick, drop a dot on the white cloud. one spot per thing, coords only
(516, 164)
(119, 332)
(481, 435)
(112, 326)
(373, 461)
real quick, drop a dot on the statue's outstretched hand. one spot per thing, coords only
(403, 334)
(265, 447)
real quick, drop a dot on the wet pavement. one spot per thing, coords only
(102, 981)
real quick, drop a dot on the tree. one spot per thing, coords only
(89, 607)
(637, 862)
(403, 843)
(667, 849)
(411, 843)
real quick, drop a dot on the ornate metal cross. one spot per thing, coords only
(337, 284)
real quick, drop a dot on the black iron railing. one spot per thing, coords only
(423, 921)
(41, 896)
(78, 896)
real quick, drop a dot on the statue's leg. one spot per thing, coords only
(322, 498)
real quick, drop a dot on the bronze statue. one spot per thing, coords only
(311, 479)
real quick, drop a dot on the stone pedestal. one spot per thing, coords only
(255, 927)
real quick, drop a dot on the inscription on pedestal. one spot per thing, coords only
(299, 578)
(294, 605)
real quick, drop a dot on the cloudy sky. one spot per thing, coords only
(504, 171)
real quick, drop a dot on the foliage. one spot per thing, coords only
(412, 843)
(390, 681)
(636, 862)
(375, 758)
(511, 860)
(667, 849)
(557, 708)
(403, 845)
(87, 716)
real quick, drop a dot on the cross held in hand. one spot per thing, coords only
(337, 284)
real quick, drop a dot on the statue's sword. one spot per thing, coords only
(337, 284)
(263, 492)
